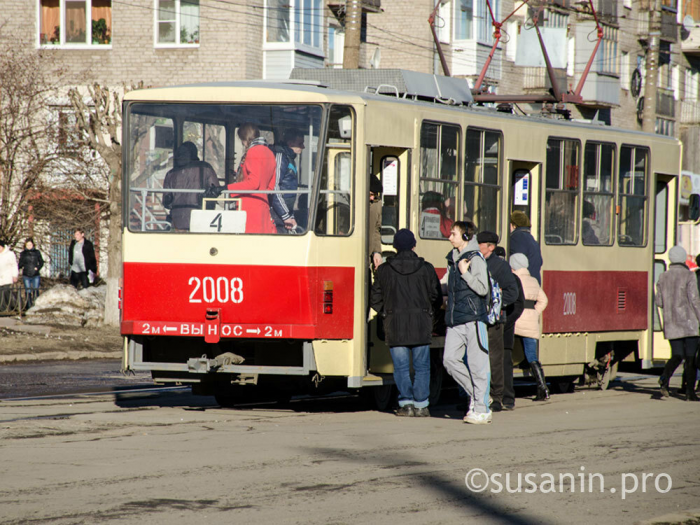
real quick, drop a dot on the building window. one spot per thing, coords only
(562, 181)
(301, 18)
(664, 127)
(482, 165)
(598, 196)
(692, 76)
(632, 196)
(607, 54)
(67, 135)
(75, 23)
(472, 19)
(177, 22)
(439, 174)
(669, 5)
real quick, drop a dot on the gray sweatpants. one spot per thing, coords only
(475, 377)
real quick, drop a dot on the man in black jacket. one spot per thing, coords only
(81, 258)
(501, 272)
(406, 293)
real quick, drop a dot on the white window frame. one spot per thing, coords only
(156, 32)
(297, 28)
(608, 56)
(62, 44)
(481, 24)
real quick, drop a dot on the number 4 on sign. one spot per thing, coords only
(216, 223)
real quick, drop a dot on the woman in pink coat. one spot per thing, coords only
(529, 325)
(256, 172)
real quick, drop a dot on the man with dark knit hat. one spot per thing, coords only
(522, 241)
(502, 274)
(677, 296)
(406, 293)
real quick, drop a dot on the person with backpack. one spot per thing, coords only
(501, 273)
(529, 325)
(406, 293)
(467, 289)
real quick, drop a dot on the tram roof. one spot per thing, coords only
(315, 91)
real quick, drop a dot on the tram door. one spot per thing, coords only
(664, 232)
(524, 194)
(391, 166)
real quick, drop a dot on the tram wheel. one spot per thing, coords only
(437, 372)
(382, 397)
(226, 400)
(564, 385)
(606, 376)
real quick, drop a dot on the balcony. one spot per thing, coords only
(669, 26)
(690, 41)
(690, 112)
(537, 78)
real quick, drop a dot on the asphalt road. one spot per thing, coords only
(168, 458)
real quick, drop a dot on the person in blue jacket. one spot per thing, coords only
(522, 241)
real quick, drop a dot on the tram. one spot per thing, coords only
(222, 307)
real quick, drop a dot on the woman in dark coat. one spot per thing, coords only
(30, 263)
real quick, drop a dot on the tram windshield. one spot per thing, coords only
(221, 168)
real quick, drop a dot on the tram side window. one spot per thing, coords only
(598, 195)
(562, 192)
(210, 140)
(439, 174)
(481, 178)
(632, 196)
(334, 215)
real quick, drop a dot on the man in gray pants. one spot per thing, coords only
(467, 289)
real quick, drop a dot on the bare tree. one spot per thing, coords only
(98, 114)
(29, 81)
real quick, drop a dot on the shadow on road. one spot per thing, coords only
(442, 486)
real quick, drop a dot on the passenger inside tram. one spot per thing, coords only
(255, 172)
(188, 173)
(286, 151)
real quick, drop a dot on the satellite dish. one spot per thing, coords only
(688, 22)
(376, 59)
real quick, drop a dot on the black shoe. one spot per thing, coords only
(663, 386)
(406, 411)
(496, 406)
(690, 395)
(508, 408)
(421, 412)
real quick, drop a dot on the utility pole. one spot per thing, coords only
(353, 26)
(652, 67)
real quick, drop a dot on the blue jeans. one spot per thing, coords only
(31, 288)
(414, 393)
(530, 349)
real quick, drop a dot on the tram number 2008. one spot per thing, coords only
(570, 303)
(220, 290)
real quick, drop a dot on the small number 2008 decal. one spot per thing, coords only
(221, 290)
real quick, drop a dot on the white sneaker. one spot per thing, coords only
(478, 418)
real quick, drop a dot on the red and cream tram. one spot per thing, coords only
(221, 306)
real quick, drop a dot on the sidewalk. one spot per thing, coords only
(21, 342)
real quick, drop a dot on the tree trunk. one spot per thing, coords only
(114, 252)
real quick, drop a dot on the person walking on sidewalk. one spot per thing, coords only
(467, 287)
(406, 293)
(677, 295)
(529, 325)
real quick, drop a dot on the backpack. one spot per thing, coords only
(495, 296)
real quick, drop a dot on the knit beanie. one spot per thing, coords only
(520, 219)
(519, 260)
(404, 240)
(677, 254)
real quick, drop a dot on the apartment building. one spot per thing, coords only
(165, 42)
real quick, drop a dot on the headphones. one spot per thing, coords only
(464, 236)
